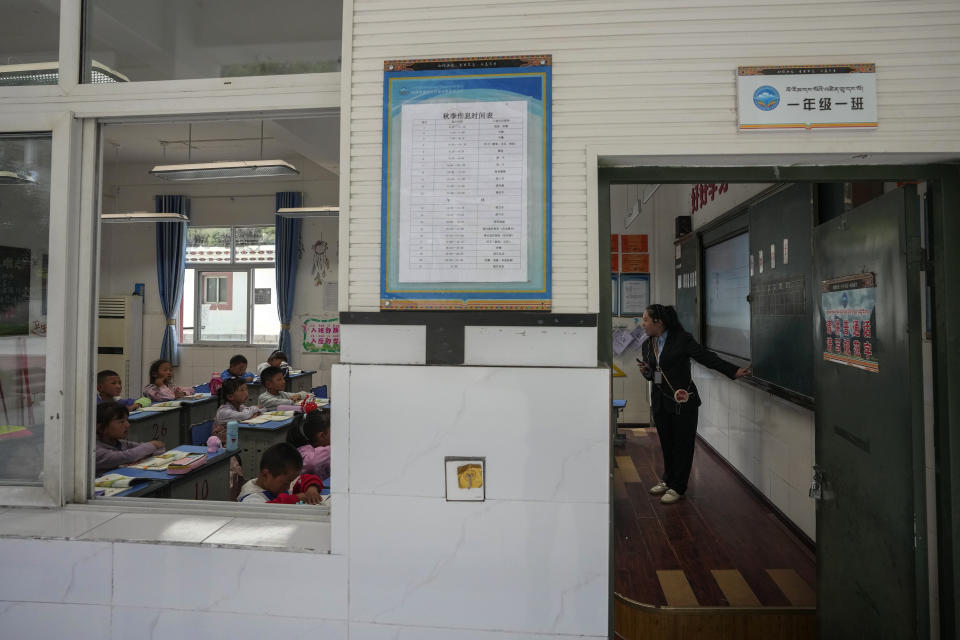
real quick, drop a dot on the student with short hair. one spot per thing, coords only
(281, 479)
(276, 359)
(274, 395)
(312, 439)
(109, 388)
(161, 387)
(112, 448)
(237, 369)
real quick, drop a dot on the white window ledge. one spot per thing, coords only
(148, 526)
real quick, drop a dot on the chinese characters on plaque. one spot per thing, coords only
(807, 97)
(463, 192)
(849, 322)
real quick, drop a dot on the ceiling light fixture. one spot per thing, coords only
(223, 170)
(308, 212)
(136, 216)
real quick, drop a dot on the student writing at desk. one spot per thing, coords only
(281, 479)
(112, 448)
(161, 387)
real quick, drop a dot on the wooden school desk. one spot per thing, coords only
(211, 481)
(161, 423)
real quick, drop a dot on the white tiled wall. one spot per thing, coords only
(768, 440)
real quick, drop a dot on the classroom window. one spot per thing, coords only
(726, 286)
(24, 250)
(227, 265)
(29, 43)
(136, 40)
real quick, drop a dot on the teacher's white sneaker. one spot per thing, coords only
(670, 496)
(658, 489)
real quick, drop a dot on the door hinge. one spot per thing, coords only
(918, 257)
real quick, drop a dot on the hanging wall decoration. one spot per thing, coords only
(321, 261)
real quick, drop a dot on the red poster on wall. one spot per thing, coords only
(635, 263)
(634, 243)
(614, 262)
(615, 242)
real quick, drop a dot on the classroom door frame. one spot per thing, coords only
(943, 261)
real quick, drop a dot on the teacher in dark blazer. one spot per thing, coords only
(675, 399)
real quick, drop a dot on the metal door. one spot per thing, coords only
(871, 546)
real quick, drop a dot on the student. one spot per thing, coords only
(237, 369)
(161, 387)
(281, 480)
(111, 449)
(274, 396)
(276, 359)
(312, 440)
(234, 393)
(109, 387)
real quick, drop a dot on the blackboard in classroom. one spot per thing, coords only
(686, 268)
(14, 291)
(781, 290)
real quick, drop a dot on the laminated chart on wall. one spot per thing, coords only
(466, 184)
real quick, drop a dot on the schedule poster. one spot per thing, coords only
(466, 184)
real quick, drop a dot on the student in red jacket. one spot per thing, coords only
(281, 480)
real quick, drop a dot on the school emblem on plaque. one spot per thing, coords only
(766, 98)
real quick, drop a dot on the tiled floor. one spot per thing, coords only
(719, 546)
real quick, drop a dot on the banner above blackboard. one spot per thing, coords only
(466, 184)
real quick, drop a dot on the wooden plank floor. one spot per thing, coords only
(719, 546)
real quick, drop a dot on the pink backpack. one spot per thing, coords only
(215, 384)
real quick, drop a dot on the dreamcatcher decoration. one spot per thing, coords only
(321, 261)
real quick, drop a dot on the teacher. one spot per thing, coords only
(674, 401)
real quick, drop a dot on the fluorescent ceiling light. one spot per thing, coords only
(224, 170)
(12, 177)
(308, 212)
(143, 216)
(48, 73)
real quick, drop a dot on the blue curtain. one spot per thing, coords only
(287, 258)
(171, 254)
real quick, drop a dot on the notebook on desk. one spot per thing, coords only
(158, 462)
(113, 483)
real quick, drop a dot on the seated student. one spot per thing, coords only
(312, 440)
(234, 393)
(109, 387)
(276, 359)
(237, 369)
(274, 383)
(112, 450)
(281, 480)
(161, 387)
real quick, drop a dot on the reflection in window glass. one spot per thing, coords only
(223, 310)
(726, 285)
(29, 42)
(24, 233)
(137, 40)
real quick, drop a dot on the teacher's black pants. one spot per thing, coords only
(678, 435)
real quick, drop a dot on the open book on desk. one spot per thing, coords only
(158, 462)
(113, 483)
(270, 416)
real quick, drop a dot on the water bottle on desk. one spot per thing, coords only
(233, 435)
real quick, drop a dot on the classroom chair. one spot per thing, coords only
(199, 433)
(320, 392)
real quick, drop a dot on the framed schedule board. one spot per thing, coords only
(466, 183)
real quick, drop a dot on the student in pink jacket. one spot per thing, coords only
(112, 449)
(312, 440)
(161, 385)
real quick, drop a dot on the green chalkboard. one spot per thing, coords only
(781, 288)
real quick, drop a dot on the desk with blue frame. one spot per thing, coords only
(254, 439)
(160, 421)
(210, 481)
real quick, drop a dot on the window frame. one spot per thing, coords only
(225, 268)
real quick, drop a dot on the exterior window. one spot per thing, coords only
(226, 299)
(136, 40)
(24, 250)
(29, 43)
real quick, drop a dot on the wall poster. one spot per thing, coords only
(321, 334)
(847, 307)
(466, 184)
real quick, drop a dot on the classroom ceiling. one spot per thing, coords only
(315, 138)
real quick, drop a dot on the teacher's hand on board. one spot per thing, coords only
(744, 371)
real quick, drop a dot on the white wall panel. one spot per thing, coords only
(654, 73)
